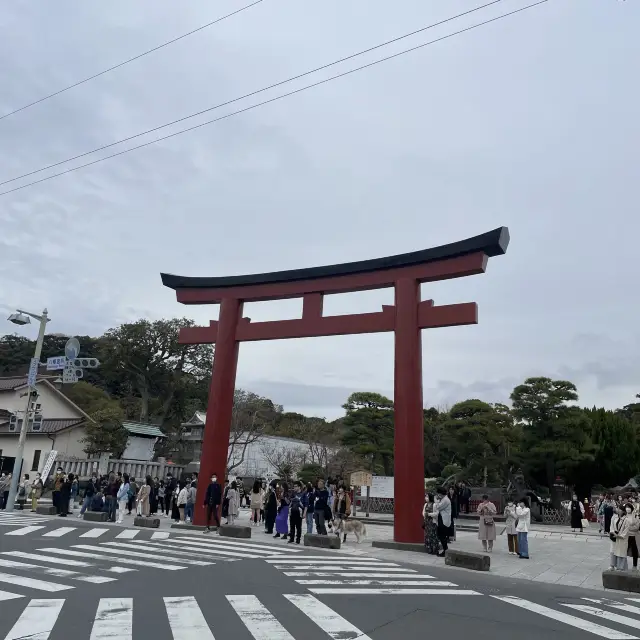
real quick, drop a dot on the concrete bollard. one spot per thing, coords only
(234, 531)
(323, 542)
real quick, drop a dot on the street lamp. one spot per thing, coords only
(21, 318)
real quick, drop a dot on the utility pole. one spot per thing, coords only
(17, 465)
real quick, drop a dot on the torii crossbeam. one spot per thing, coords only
(406, 318)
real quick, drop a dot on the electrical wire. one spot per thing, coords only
(121, 64)
(280, 97)
(252, 93)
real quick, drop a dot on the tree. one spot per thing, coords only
(105, 433)
(369, 428)
(477, 436)
(556, 436)
(285, 461)
(148, 362)
(616, 441)
(252, 417)
(88, 397)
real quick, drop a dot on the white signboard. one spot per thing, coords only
(56, 363)
(46, 470)
(381, 487)
(33, 371)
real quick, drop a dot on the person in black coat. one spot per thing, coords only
(272, 509)
(65, 495)
(213, 500)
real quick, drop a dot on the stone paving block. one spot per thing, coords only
(467, 560)
(95, 516)
(324, 542)
(146, 522)
(46, 510)
(234, 531)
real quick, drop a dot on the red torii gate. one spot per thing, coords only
(406, 318)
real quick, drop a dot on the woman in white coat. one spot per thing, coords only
(620, 538)
(234, 502)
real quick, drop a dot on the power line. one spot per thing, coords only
(248, 95)
(280, 97)
(121, 64)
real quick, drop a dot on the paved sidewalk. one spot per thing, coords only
(557, 557)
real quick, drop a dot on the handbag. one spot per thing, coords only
(584, 522)
(488, 520)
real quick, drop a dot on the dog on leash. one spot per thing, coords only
(349, 525)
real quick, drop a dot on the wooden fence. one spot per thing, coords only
(84, 469)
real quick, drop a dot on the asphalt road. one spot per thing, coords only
(65, 579)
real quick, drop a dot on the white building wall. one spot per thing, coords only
(53, 406)
(9, 447)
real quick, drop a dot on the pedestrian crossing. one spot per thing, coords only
(610, 623)
(51, 569)
(340, 575)
(44, 531)
(12, 519)
(183, 618)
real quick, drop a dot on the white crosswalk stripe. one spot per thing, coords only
(94, 533)
(342, 575)
(59, 573)
(114, 619)
(125, 561)
(184, 618)
(584, 624)
(58, 533)
(24, 531)
(326, 618)
(160, 535)
(106, 547)
(218, 541)
(20, 520)
(205, 549)
(36, 621)
(128, 533)
(64, 561)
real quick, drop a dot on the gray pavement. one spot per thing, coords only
(71, 580)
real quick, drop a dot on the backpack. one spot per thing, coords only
(22, 492)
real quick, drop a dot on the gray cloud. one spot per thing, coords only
(524, 122)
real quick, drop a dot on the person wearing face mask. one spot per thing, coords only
(523, 513)
(634, 533)
(576, 508)
(619, 536)
(212, 501)
(36, 491)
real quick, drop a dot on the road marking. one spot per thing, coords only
(36, 621)
(326, 618)
(114, 619)
(204, 552)
(36, 556)
(258, 619)
(232, 544)
(94, 533)
(64, 561)
(311, 567)
(169, 552)
(186, 619)
(565, 618)
(160, 535)
(24, 531)
(59, 573)
(105, 547)
(605, 615)
(390, 583)
(397, 592)
(7, 595)
(32, 583)
(99, 556)
(617, 605)
(244, 551)
(128, 534)
(330, 560)
(350, 574)
(58, 533)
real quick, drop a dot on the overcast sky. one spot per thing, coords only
(530, 122)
